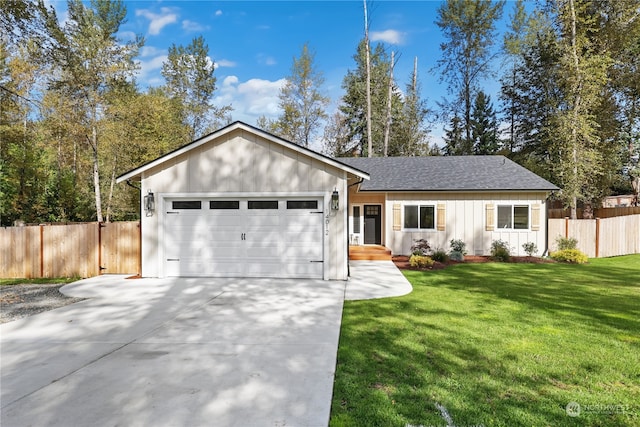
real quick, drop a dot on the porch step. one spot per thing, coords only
(369, 253)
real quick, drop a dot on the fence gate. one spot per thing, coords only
(69, 250)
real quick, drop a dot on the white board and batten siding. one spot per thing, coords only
(468, 216)
(243, 166)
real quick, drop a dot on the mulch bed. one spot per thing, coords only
(402, 261)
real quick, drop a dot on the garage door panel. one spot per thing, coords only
(194, 267)
(306, 236)
(257, 242)
(294, 252)
(262, 222)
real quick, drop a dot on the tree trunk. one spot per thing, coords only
(111, 187)
(387, 125)
(368, 78)
(96, 173)
(576, 106)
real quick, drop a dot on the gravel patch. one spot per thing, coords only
(24, 300)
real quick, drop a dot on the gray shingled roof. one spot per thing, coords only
(446, 173)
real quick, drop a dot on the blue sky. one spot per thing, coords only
(253, 43)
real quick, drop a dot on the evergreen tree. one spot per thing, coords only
(454, 138)
(484, 125)
(411, 131)
(513, 45)
(353, 105)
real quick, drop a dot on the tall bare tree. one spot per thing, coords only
(368, 79)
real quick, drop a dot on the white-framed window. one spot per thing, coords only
(513, 217)
(419, 217)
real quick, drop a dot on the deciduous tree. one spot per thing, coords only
(468, 27)
(301, 101)
(90, 61)
(189, 75)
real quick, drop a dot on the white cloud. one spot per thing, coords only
(250, 99)
(230, 81)
(225, 63)
(218, 12)
(193, 27)
(158, 20)
(387, 36)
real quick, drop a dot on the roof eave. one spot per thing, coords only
(460, 190)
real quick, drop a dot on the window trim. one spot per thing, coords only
(357, 220)
(420, 205)
(513, 207)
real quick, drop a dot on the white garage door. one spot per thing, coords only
(243, 237)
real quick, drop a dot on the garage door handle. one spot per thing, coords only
(316, 261)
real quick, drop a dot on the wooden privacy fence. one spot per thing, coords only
(597, 213)
(70, 250)
(601, 237)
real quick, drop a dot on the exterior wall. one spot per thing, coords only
(242, 164)
(465, 218)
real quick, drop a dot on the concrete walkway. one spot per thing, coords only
(182, 352)
(375, 279)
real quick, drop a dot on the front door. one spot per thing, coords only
(372, 225)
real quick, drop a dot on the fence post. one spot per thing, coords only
(597, 237)
(41, 250)
(140, 248)
(566, 227)
(99, 248)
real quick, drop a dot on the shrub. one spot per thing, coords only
(439, 255)
(566, 243)
(530, 248)
(420, 247)
(500, 251)
(420, 261)
(457, 245)
(456, 256)
(572, 256)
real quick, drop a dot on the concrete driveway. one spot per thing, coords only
(182, 352)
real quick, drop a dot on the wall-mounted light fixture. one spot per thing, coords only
(149, 203)
(335, 201)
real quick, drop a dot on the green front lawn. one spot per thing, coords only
(496, 345)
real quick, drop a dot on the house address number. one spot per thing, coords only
(326, 228)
